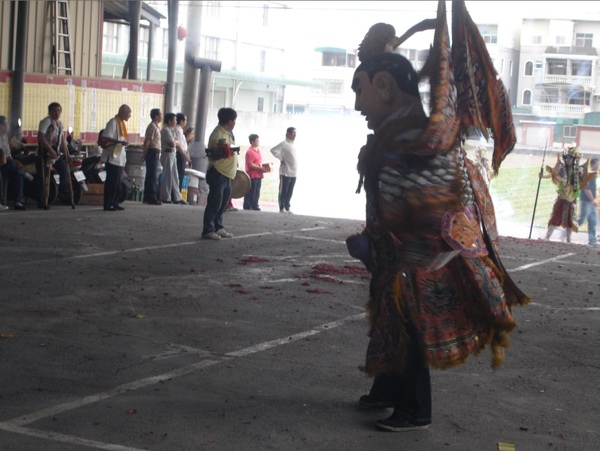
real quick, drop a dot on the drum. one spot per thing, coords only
(240, 185)
(135, 168)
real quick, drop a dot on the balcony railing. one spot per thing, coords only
(562, 110)
(568, 80)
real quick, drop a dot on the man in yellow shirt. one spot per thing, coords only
(222, 167)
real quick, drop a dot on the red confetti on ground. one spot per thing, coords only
(324, 271)
(326, 279)
(319, 291)
(234, 285)
(265, 287)
(247, 260)
(242, 291)
(331, 270)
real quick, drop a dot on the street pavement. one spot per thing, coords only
(126, 331)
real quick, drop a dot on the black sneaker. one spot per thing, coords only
(19, 206)
(401, 424)
(372, 402)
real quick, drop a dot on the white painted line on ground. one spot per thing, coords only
(312, 238)
(549, 307)
(149, 248)
(68, 439)
(51, 411)
(542, 262)
(16, 425)
(281, 341)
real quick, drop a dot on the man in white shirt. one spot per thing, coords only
(182, 154)
(285, 152)
(11, 169)
(51, 143)
(114, 156)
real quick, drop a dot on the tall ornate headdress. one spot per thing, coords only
(465, 87)
(572, 151)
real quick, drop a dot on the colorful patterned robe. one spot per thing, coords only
(432, 252)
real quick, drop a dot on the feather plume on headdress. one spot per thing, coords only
(465, 87)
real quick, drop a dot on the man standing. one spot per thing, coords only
(51, 143)
(182, 154)
(150, 155)
(169, 188)
(11, 169)
(589, 205)
(438, 291)
(115, 157)
(255, 171)
(222, 168)
(285, 152)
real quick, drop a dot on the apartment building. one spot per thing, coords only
(558, 75)
(247, 37)
(548, 65)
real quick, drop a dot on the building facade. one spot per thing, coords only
(242, 35)
(558, 75)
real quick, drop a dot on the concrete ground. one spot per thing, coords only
(126, 331)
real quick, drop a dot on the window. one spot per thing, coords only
(110, 38)
(528, 69)
(263, 61)
(581, 68)
(527, 97)
(536, 40)
(578, 97)
(291, 108)
(178, 89)
(510, 69)
(213, 9)
(570, 132)
(261, 104)
(165, 44)
(584, 39)
(557, 67)
(265, 15)
(351, 60)
(489, 33)
(144, 38)
(560, 40)
(211, 48)
(334, 59)
(333, 86)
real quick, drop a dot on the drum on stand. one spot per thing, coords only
(240, 185)
(194, 178)
(135, 168)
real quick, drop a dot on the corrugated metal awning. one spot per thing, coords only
(118, 11)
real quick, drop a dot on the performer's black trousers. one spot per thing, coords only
(409, 390)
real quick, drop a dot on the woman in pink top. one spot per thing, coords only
(255, 171)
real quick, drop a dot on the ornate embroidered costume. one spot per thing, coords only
(433, 255)
(430, 240)
(569, 178)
